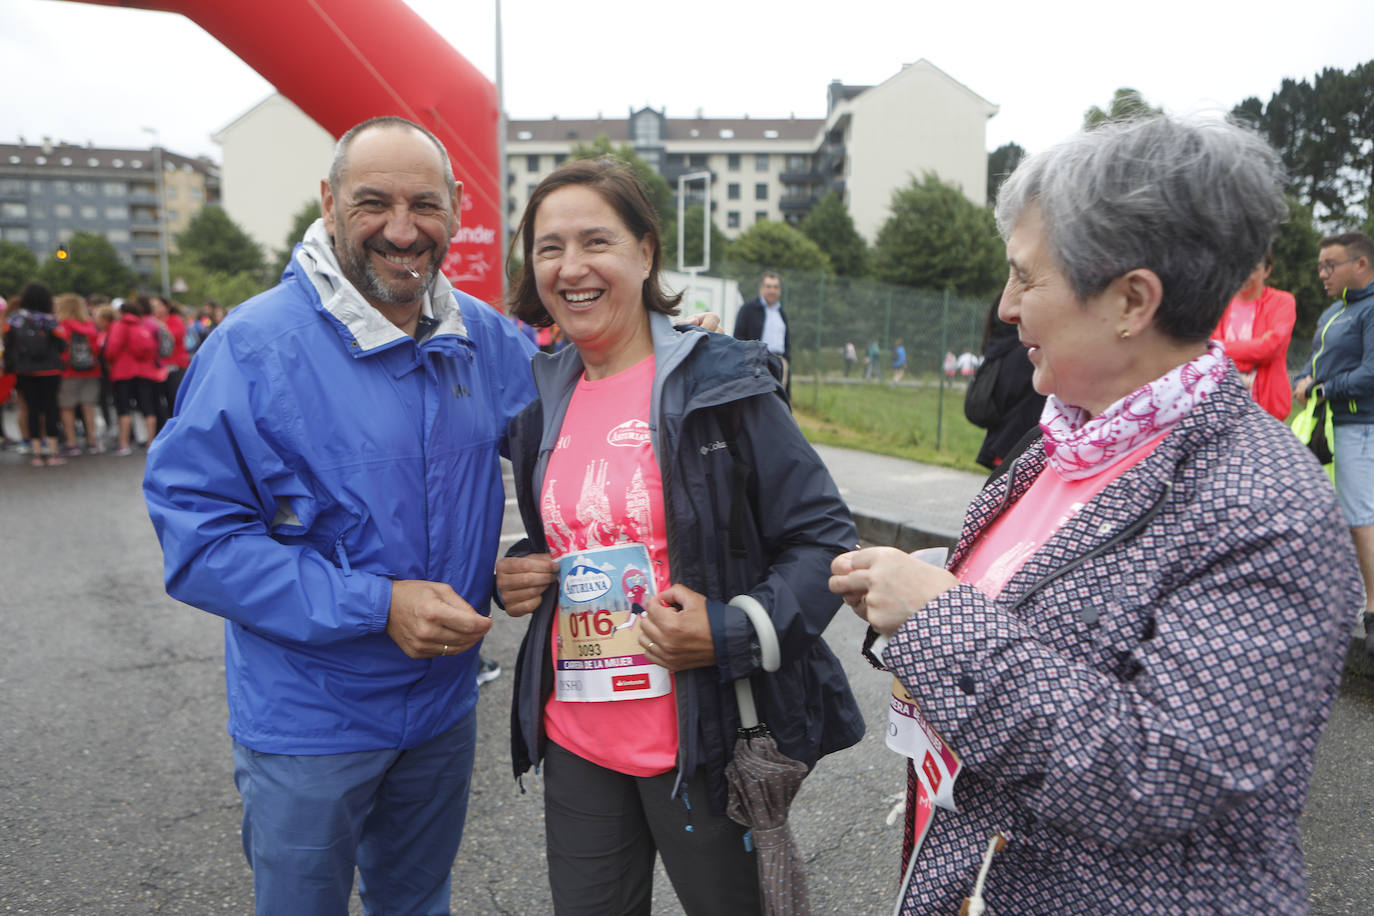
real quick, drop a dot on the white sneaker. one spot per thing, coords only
(487, 670)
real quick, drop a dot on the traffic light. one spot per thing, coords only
(62, 254)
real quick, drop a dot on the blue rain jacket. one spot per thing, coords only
(316, 454)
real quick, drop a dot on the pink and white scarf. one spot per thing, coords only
(1079, 447)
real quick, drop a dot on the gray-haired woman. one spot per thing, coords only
(1134, 648)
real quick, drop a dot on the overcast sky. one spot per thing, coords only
(78, 72)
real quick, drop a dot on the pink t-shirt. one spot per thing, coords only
(1024, 528)
(602, 488)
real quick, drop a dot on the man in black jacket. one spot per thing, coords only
(762, 318)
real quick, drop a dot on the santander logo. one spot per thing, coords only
(630, 434)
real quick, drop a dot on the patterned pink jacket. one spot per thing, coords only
(1137, 712)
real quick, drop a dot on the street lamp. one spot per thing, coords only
(161, 209)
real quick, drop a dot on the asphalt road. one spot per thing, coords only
(115, 776)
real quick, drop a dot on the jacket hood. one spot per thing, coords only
(315, 263)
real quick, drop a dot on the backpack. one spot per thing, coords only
(34, 349)
(166, 343)
(980, 405)
(80, 352)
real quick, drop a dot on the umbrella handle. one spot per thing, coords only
(768, 650)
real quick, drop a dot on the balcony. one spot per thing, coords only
(796, 203)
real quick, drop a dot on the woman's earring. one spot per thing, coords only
(1125, 334)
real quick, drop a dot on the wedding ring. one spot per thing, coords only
(444, 651)
(652, 645)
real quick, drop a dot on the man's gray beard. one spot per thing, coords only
(358, 269)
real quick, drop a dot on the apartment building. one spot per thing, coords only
(873, 140)
(50, 190)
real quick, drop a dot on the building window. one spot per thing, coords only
(531, 163)
(117, 236)
(529, 190)
(90, 211)
(62, 187)
(36, 187)
(40, 236)
(697, 161)
(117, 212)
(12, 209)
(732, 219)
(17, 234)
(732, 162)
(85, 187)
(646, 129)
(62, 211)
(732, 190)
(760, 215)
(559, 159)
(12, 186)
(761, 162)
(524, 135)
(115, 189)
(797, 163)
(197, 193)
(171, 216)
(760, 192)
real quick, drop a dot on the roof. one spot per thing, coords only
(58, 155)
(618, 129)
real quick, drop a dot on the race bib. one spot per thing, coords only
(602, 594)
(909, 734)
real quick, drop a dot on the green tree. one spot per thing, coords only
(214, 240)
(92, 266)
(936, 238)
(692, 236)
(1001, 163)
(302, 221)
(777, 246)
(228, 289)
(1126, 104)
(17, 267)
(1322, 130)
(659, 192)
(830, 226)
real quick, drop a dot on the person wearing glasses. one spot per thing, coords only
(1342, 372)
(1138, 639)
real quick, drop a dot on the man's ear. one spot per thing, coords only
(326, 202)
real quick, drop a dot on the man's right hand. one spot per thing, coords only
(429, 619)
(523, 580)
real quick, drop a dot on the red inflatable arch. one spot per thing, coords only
(343, 61)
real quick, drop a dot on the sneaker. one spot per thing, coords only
(36, 461)
(96, 449)
(55, 460)
(123, 451)
(487, 670)
(70, 451)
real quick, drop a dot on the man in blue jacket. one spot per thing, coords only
(330, 485)
(1342, 373)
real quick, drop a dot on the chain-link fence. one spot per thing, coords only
(826, 312)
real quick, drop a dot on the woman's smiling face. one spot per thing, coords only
(590, 270)
(1070, 341)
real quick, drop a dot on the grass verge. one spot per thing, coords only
(904, 422)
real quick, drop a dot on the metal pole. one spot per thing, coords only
(944, 348)
(161, 210)
(502, 168)
(887, 333)
(820, 320)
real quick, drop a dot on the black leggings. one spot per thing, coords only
(40, 394)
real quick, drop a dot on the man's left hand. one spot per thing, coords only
(707, 321)
(677, 640)
(886, 586)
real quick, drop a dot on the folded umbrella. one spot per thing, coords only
(762, 782)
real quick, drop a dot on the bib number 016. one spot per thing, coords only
(587, 624)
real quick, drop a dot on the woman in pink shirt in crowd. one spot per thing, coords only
(660, 475)
(1256, 330)
(131, 354)
(1134, 647)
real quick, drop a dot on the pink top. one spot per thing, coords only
(1033, 519)
(602, 488)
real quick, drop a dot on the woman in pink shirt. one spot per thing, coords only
(659, 475)
(1135, 646)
